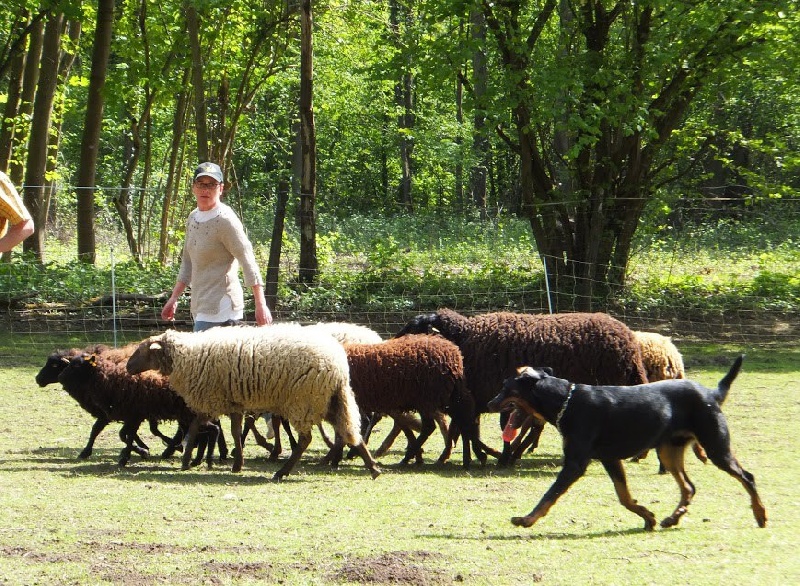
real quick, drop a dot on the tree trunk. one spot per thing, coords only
(193, 30)
(173, 184)
(30, 80)
(40, 130)
(480, 142)
(54, 139)
(90, 141)
(275, 246)
(404, 100)
(8, 123)
(309, 266)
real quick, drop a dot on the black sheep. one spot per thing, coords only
(55, 365)
(119, 396)
(587, 348)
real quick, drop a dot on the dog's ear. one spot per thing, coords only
(534, 373)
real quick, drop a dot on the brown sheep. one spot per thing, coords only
(588, 348)
(414, 373)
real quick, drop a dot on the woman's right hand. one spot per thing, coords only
(168, 312)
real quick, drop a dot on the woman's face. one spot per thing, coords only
(207, 192)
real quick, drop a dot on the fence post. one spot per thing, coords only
(547, 285)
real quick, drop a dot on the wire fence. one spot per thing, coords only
(717, 302)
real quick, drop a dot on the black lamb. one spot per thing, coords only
(119, 396)
(55, 365)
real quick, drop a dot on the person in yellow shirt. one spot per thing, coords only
(16, 223)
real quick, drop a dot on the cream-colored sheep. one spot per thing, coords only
(347, 333)
(660, 357)
(663, 361)
(279, 369)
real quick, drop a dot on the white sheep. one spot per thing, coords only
(345, 333)
(279, 369)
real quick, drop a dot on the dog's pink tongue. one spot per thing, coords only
(509, 431)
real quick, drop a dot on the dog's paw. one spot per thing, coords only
(521, 521)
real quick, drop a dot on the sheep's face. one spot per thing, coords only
(54, 366)
(148, 356)
(422, 324)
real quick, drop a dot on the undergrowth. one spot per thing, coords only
(409, 262)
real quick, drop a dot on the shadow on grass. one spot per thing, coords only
(531, 534)
(103, 462)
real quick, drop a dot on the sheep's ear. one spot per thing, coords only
(547, 370)
(155, 347)
(65, 360)
(525, 371)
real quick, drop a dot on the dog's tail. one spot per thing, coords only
(725, 384)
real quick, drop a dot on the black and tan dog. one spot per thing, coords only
(614, 423)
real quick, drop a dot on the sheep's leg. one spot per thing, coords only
(303, 441)
(222, 446)
(236, 432)
(250, 425)
(287, 428)
(414, 449)
(98, 426)
(202, 445)
(450, 439)
(277, 422)
(369, 461)
(189, 439)
(214, 434)
(175, 444)
(367, 425)
(206, 440)
(526, 442)
(388, 440)
(334, 455)
(328, 441)
(129, 432)
(157, 432)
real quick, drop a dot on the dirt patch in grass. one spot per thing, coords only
(398, 567)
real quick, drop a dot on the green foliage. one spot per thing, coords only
(411, 262)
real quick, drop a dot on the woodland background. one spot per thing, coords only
(573, 139)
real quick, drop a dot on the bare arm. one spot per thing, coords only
(168, 312)
(16, 234)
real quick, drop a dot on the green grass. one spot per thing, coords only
(66, 521)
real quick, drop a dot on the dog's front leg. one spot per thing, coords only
(572, 470)
(617, 473)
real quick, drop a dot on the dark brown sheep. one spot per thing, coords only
(588, 348)
(414, 373)
(106, 386)
(55, 365)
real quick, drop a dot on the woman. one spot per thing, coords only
(215, 246)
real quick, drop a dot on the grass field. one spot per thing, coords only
(66, 521)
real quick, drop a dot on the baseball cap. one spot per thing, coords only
(210, 170)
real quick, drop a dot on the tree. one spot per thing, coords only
(619, 84)
(34, 192)
(90, 142)
(309, 265)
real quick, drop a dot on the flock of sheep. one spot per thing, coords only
(344, 374)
